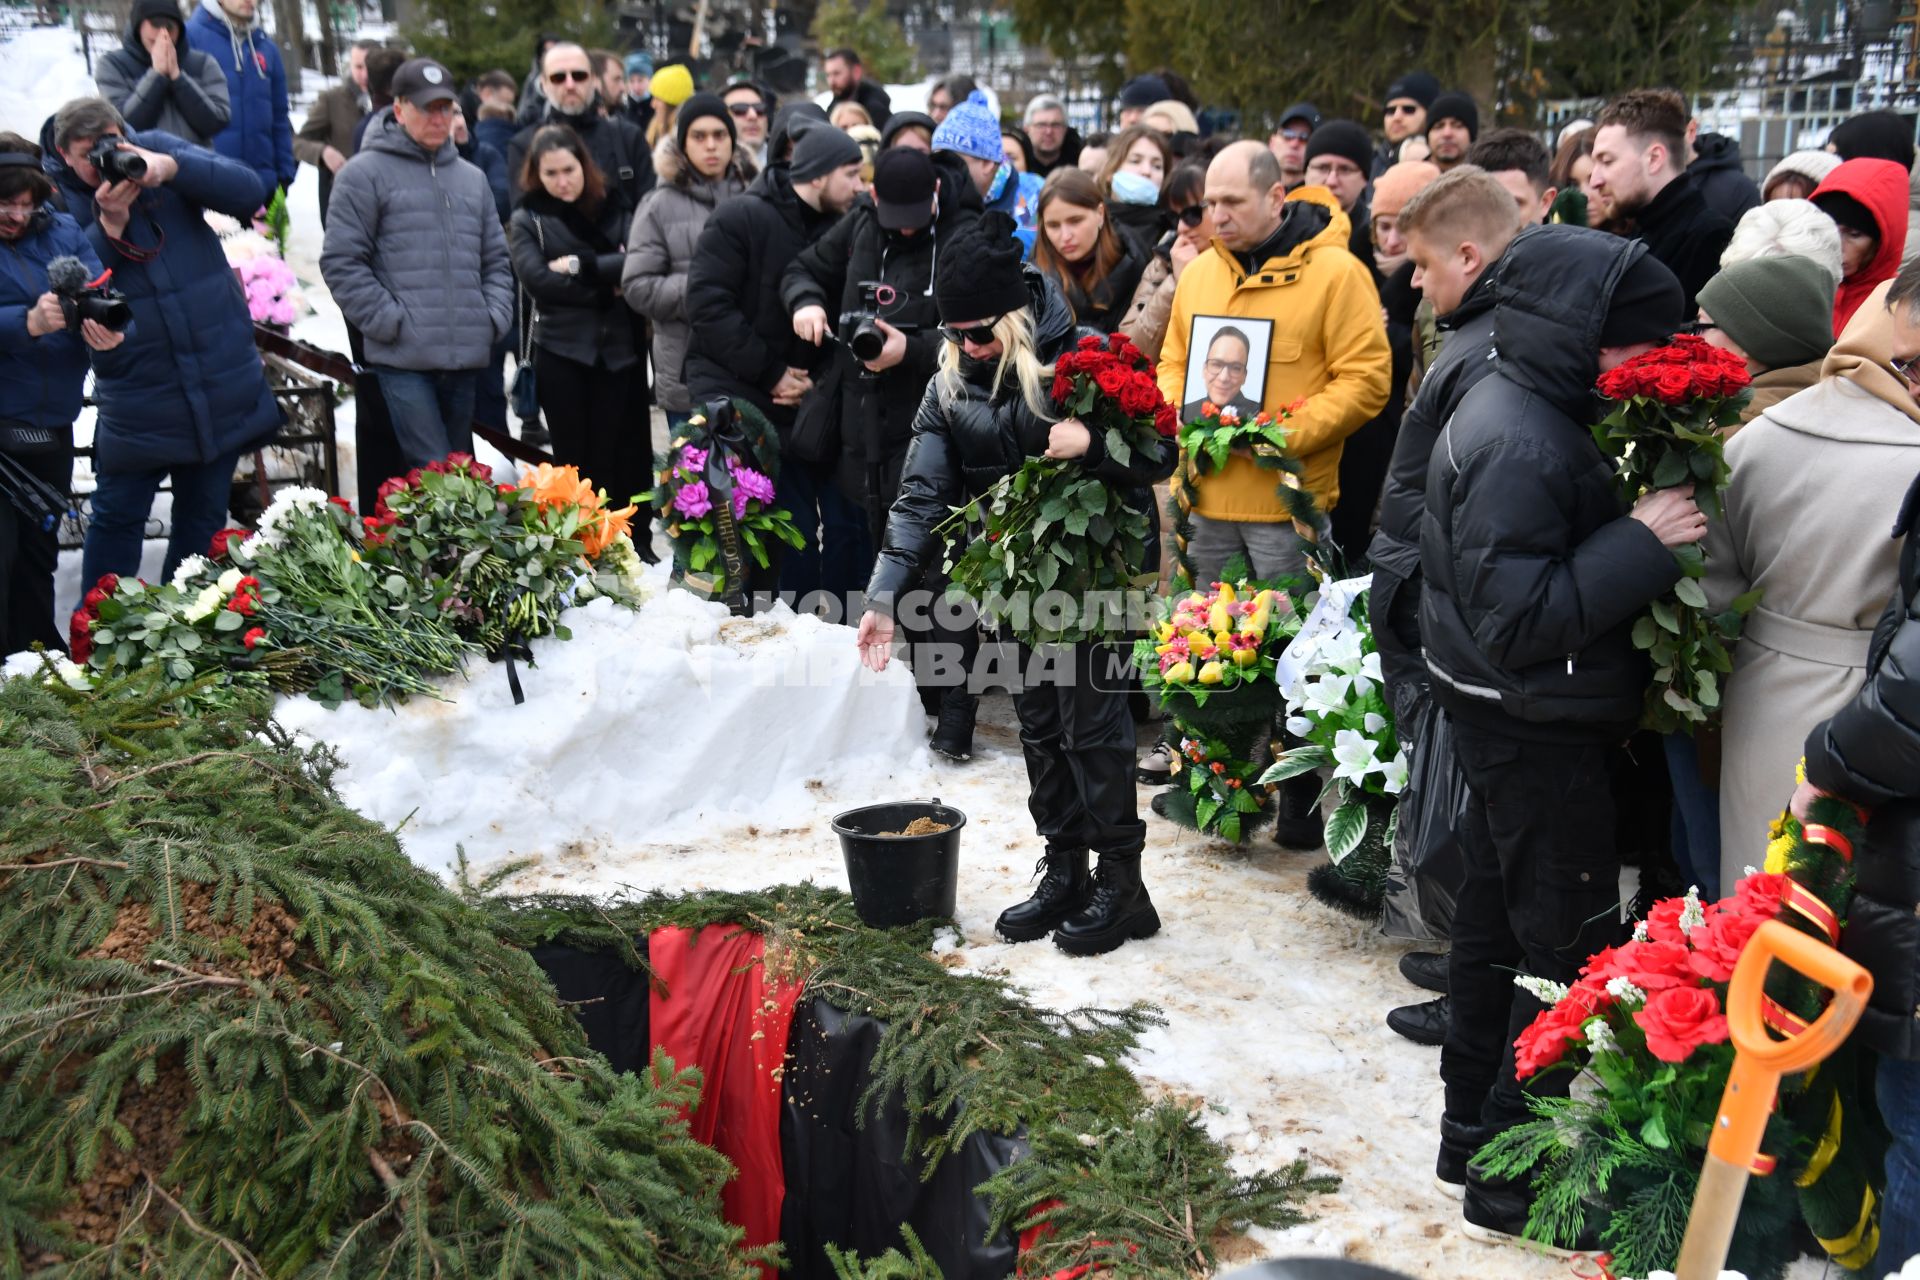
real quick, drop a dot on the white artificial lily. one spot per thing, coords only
(1395, 774)
(1327, 696)
(1354, 755)
(1373, 723)
(1299, 726)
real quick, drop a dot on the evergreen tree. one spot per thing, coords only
(469, 38)
(863, 26)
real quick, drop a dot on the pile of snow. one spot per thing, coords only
(657, 725)
(40, 68)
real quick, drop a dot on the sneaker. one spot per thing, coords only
(1495, 1212)
(1424, 1023)
(1156, 767)
(1426, 970)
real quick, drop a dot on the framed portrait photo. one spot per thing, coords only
(1226, 364)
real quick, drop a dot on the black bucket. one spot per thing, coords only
(899, 879)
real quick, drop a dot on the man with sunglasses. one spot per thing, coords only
(618, 146)
(1289, 141)
(1405, 116)
(417, 262)
(750, 108)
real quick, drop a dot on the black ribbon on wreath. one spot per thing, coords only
(728, 431)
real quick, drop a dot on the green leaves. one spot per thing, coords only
(1346, 827)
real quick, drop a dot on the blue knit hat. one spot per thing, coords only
(971, 129)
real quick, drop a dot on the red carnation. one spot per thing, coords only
(253, 636)
(1679, 1021)
(242, 604)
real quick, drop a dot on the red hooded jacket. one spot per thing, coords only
(1881, 186)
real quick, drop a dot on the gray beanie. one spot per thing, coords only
(819, 151)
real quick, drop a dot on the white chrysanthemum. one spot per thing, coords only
(1355, 755)
(1545, 990)
(281, 513)
(1623, 990)
(1395, 774)
(190, 568)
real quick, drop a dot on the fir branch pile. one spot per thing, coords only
(1134, 1185)
(241, 1035)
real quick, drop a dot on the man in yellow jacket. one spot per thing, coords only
(1280, 266)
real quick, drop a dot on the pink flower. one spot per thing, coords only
(693, 460)
(749, 486)
(693, 500)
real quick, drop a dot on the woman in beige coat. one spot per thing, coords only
(1817, 481)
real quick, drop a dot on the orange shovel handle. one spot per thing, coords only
(1760, 1060)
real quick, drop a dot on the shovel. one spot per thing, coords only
(1759, 1062)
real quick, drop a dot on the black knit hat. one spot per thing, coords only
(1876, 135)
(698, 106)
(905, 120)
(1144, 91)
(1342, 138)
(1454, 105)
(1647, 305)
(820, 150)
(980, 276)
(1418, 85)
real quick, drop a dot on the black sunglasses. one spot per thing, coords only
(1402, 108)
(744, 109)
(980, 335)
(561, 77)
(1194, 214)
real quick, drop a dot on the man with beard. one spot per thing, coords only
(1453, 122)
(1640, 166)
(618, 148)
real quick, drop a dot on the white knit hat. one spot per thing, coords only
(1786, 228)
(1814, 166)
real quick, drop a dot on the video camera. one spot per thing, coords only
(116, 161)
(84, 299)
(862, 327)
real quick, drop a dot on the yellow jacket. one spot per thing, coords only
(1329, 349)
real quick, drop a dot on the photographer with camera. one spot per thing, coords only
(43, 364)
(867, 288)
(186, 394)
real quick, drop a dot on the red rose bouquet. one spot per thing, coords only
(1671, 406)
(1017, 567)
(1645, 1025)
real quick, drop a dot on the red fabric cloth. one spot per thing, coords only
(713, 1008)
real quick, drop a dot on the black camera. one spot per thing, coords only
(116, 161)
(862, 327)
(81, 299)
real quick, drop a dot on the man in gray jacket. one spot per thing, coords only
(417, 262)
(157, 82)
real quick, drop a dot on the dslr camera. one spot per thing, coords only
(83, 299)
(862, 328)
(116, 161)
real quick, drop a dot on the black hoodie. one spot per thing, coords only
(1723, 184)
(1533, 571)
(192, 106)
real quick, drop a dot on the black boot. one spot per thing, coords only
(1459, 1143)
(1297, 823)
(1120, 910)
(953, 736)
(1064, 889)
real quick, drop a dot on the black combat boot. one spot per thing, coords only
(1119, 911)
(1064, 889)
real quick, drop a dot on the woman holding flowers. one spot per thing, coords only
(987, 411)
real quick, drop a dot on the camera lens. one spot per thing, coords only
(867, 341)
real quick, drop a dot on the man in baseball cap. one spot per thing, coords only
(423, 82)
(1289, 141)
(903, 189)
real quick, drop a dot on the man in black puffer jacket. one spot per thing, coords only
(1533, 576)
(743, 345)
(893, 237)
(1869, 754)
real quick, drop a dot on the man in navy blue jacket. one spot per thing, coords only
(185, 395)
(259, 133)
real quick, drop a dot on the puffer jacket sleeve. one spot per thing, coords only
(929, 490)
(346, 255)
(1869, 752)
(1359, 363)
(1152, 307)
(209, 179)
(285, 166)
(1143, 466)
(67, 238)
(138, 95)
(818, 276)
(648, 281)
(201, 93)
(496, 274)
(1527, 595)
(717, 299)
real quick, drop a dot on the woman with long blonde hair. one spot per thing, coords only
(986, 411)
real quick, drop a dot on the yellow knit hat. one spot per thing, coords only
(672, 85)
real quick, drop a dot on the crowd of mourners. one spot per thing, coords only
(1430, 298)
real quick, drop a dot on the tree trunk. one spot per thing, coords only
(290, 34)
(329, 40)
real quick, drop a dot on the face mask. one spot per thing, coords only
(1131, 188)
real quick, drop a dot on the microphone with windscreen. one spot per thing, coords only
(84, 299)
